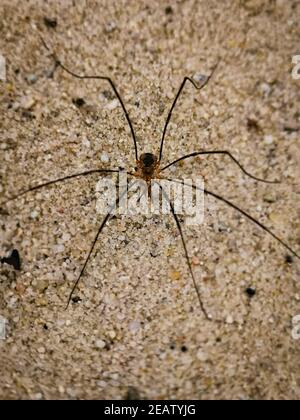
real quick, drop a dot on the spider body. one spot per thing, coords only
(148, 168)
(148, 160)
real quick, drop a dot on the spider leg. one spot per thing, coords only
(58, 63)
(244, 213)
(175, 101)
(105, 220)
(186, 253)
(65, 178)
(220, 152)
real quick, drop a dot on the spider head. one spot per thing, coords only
(148, 160)
(148, 164)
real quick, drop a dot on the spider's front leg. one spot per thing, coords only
(56, 181)
(223, 153)
(196, 86)
(14, 258)
(59, 64)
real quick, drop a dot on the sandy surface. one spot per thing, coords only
(138, 329)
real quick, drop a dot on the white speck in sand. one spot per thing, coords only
(112, 104)
(71, 392)
(3, 323)
(66, 237)
(100, 344)
(266, 89)
(57, 249)
(199, 78)
(34, 214)
(134, 326)
(229, 319)
(112, 334)
(61, 389)
(32, 78)
(202, 356)
(101, 384)
(268, 139)
(27, 102)
(86, 142)
(104, 158)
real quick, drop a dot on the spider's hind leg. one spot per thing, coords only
(187, 257)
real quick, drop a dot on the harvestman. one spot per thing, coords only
(149, 168)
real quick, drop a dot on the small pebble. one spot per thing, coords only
(76, 299)
(270, 197)
(112, 334)
(134, 326)
(27, 102)
(202, 356)
(251, 291)
(71, 392)
(132, 394)
(34, 214)
(57, 249)
(79, 102)
(168, 10)
(61, 389)
(112, 104)
(154, 251)
(268, 139)
(50, 22)
(101, 384)
(66, 237)
(276, 218)
(104, 158)
(110, 27)
(3, 323)
(252, 124)
(100, 344)
(121, 316)
(12, 301)
(175, 275)
(199, 78)
(195, 261)
(266, 89)
(32, 78)
(41, 285)
(86, 142)
(229, 319)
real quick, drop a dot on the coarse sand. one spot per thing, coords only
(135, 329)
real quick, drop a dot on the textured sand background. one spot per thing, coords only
(138, 330)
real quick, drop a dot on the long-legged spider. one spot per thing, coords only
(149, 168)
